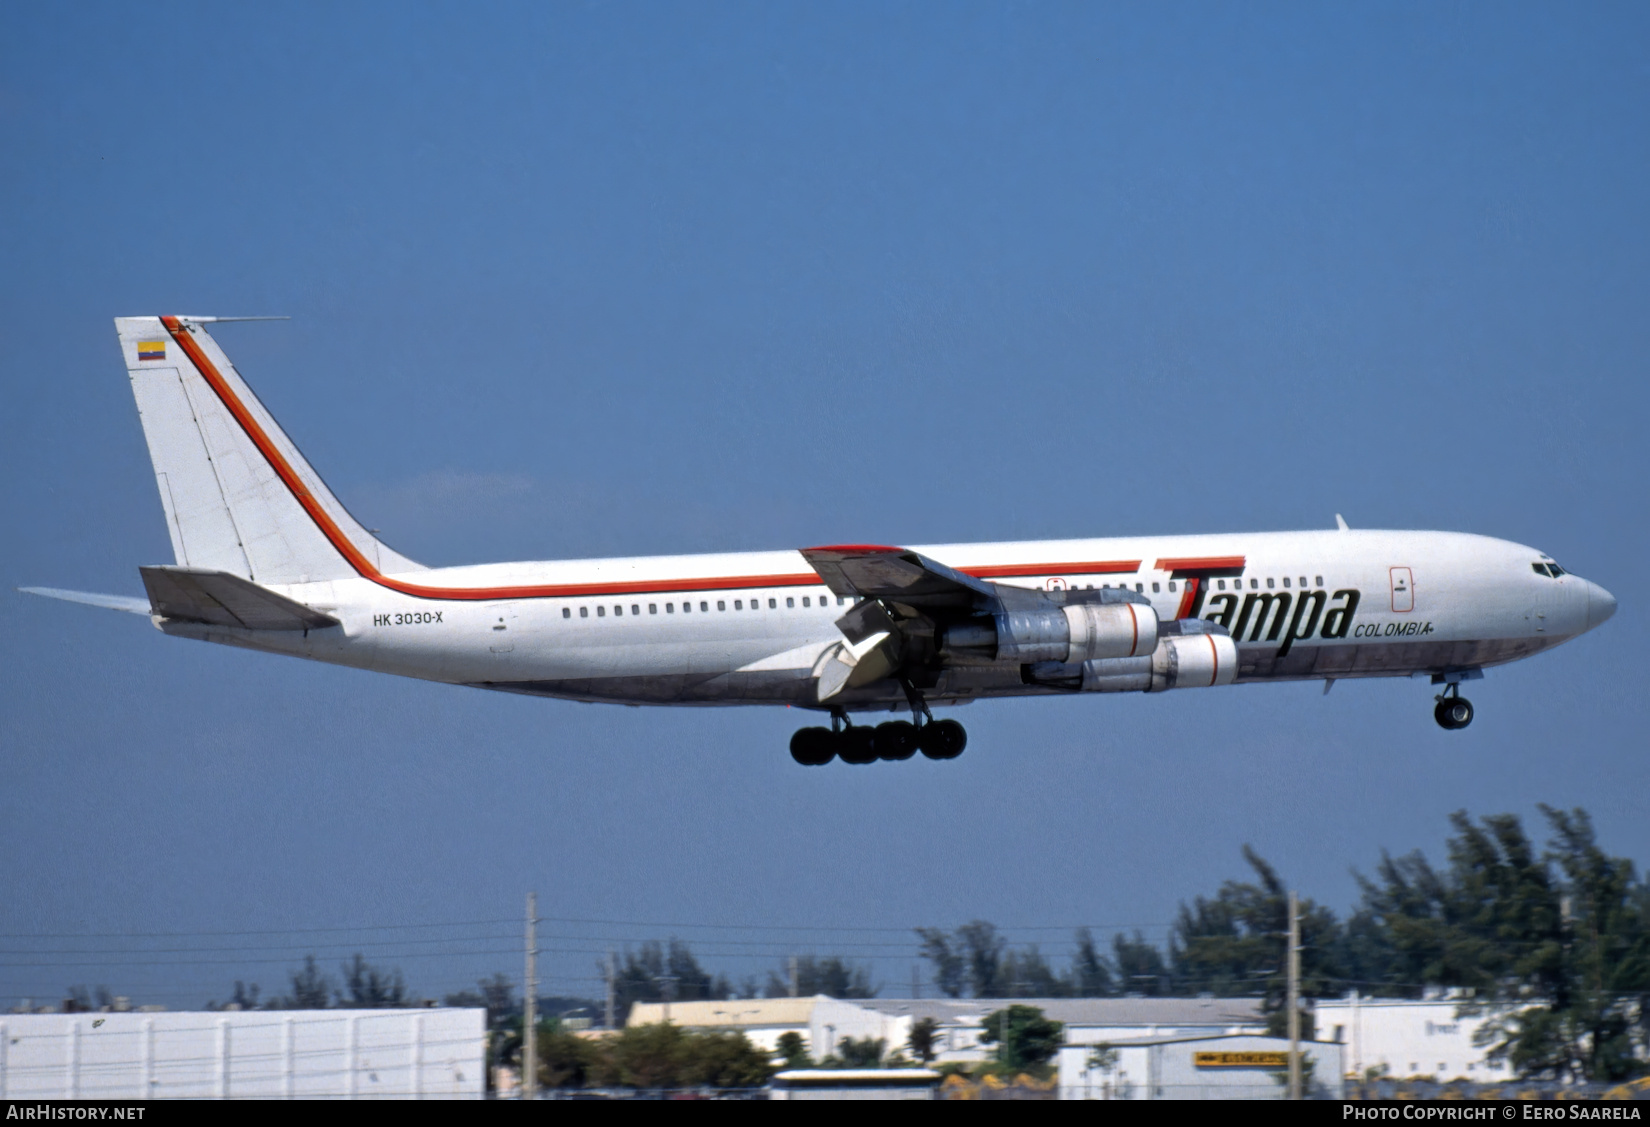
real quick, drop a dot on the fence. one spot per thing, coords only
(292, 1054)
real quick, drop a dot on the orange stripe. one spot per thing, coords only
(1214, 654)
(1202, 563)
(364, 567)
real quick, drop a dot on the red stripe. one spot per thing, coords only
(1202, 563)
(364, 567)
(1188, 599)
(1092, 567)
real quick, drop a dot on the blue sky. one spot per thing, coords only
(587, 279)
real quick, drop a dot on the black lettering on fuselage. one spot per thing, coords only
(1228, 610)
(1265, 600)
(1338, 622)
(1302, 625)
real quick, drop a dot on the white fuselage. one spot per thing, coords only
(750, 628)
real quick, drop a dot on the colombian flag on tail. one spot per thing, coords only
(151, 350)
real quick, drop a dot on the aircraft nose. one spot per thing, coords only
(1600, 605)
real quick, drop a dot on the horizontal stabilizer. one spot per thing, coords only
(127, 603)
(218, 598)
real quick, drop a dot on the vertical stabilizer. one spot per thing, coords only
(238, 495)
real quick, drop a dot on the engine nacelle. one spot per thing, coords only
(1187, 661)
(1069, 634)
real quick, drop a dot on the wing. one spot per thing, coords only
(869, 571)
(220, 599)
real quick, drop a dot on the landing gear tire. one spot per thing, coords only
(857, 745)
(813, 747)
(942, 739)
(1453, 713)
(896, 740)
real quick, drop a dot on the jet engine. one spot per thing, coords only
(1183, 661)
(1068, 634)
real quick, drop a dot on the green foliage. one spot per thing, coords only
(865, 1052)
(924, 1039)
(666, 1056)
(1030, 1038)
(794, 1050)
(644, 974)
(1140, 966)
(367, 987)
(976, 959)
(1237, 943)
(831, 976)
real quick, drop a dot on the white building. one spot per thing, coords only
(1198, 1068)
(254, 1054)
(1408, 1039)
(823, 1021)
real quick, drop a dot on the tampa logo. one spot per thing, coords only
(1266, 614)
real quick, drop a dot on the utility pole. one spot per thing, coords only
(1294, 997)
(796, 986)
(667, 987)
(529, 1030)
(610, 976)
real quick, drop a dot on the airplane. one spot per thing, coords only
(266, 558)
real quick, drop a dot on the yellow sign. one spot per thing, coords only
(1240, 1060)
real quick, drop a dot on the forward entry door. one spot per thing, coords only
(1403, 590)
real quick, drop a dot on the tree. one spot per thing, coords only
(983, 954)
(1026, 974)
(1140, 966)
(661, 1055)
(1032, 1039)
(1090, 976)
(1237, 943)
(950, 972)
(368, 987)
(831, 976)
(496, 995)
(863, 1052)
(311, 990)
(924, 1039)
(643, 974)
(794, 1050)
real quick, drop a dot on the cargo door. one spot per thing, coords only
(501, 628)
(1403, 590)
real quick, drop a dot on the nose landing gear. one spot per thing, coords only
(1453, 711)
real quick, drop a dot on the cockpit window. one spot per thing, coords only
(1554, 570)
(1540, 569)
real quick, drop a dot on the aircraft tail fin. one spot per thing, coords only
(239, 496)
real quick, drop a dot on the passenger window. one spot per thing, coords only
(601, 612)
(1303, 581)
(805, 601)
(1156, 588)
(687, 608)
(1254, 584)
(1269, 583)
(1319, 579)
(1140, 588)
(790, 602)
(618, 611)
(584, 612)
(704, 607)
(1221, 583)
(670, 608)
(652, 608)
(566, 613)
(721, 605)
(773, 604)
(1285, 581)
(1172, 587)
(738, 604)
(635, 608)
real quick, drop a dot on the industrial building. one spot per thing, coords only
(1198, 1068)
(823, 1022)
(251, 1054)
(1427, 1038)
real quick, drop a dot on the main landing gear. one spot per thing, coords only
(895, 740)
(1454, 710)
